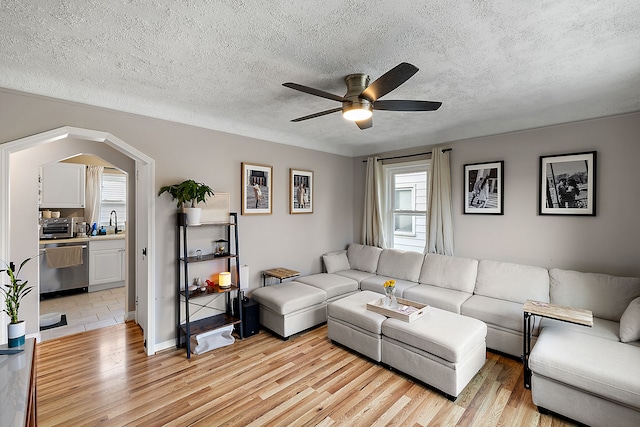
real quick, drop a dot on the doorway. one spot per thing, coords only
(97, 292)
(15, 206)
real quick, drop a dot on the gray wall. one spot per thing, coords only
(181, 152)
(25, 166)
(606, 243)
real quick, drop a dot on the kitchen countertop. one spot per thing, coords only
(84, 239)
(15, 377)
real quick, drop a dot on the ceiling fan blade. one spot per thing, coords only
(321, 113)
(389, 81)
(365, 124)
(404, 105)
(316, 92)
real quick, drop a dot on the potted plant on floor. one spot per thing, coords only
(188, 194)
(14, 292)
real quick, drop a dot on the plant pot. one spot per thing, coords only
(193, 215)
(16, 332)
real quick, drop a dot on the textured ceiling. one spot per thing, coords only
(497, 66)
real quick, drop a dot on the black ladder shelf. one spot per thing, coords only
(185, 297)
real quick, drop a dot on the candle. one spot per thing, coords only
(224, 279)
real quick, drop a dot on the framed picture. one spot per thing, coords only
(256, 189)
(300, 191)
(484, 188)
(568, 184)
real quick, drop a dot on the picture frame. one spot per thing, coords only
(484, 188)
(300, 191)
(257, 190)
(568, 184)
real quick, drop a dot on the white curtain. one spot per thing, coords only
(439, 211)
(93, 194)
(372, 226)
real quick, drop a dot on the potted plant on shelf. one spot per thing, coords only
(188, 194)
(14, 292)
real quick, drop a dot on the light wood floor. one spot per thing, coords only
(103, 377)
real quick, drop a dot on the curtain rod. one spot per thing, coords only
(410, 155)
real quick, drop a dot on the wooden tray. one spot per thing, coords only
(413, 311)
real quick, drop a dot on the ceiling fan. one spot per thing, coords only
(362, 98)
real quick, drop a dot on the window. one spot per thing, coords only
(114, 197)
(405, 213)
(405, 201)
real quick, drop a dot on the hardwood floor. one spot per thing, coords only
(103, 377)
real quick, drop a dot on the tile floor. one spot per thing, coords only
(85, 311)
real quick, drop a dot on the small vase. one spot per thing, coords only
(16, 333)
(390, 297)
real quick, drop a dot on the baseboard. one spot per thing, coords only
(164, 345)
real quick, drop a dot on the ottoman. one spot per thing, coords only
(352, 325)
(442, 349)
(291, 307)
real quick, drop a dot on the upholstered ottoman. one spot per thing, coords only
(352, 325)
(291, 307)
(442, 349)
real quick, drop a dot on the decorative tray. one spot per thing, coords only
(407, 310)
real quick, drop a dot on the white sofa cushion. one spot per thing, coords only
(602, 328)
(398, 264)
(630, 322)
(376, 284)
(288, 297)
(363, 258)
(332, 284)
(605, 295)
(606, 368)
(336, 261)
(442, 298)
(512, 282)
(449, 272)
(497, 312)
(356, 275)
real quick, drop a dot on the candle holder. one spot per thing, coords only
(224, 279)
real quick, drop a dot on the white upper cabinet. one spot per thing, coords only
(62, 185)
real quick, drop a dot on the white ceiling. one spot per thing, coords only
(497, 66)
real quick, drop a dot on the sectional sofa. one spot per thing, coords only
(591, 375)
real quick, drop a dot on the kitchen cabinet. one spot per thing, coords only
(62, 185)
(106, 264)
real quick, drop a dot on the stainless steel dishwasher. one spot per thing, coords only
(54, 280)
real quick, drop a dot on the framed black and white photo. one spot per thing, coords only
(568, 184)
(300, 191)
(256, 189)
(484, 188)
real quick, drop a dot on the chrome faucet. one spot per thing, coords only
(113, 212)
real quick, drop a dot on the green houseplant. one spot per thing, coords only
(188, 194)
(14, 292)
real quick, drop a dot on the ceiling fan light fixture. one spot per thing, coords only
(357, 111)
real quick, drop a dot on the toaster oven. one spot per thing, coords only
(56, 228)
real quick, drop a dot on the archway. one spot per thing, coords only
(145, 215)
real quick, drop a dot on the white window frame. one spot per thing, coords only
(390, 171)
(395, 212)
(120, 204)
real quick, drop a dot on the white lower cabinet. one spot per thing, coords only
(106, 264)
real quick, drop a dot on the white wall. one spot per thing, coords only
(606, 243)
(181, 152)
